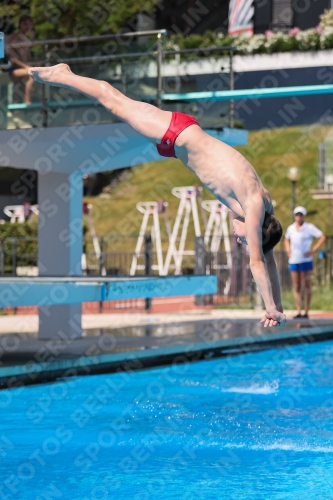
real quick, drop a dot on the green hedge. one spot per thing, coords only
(25, 250)
(18, 230)
(309, 40)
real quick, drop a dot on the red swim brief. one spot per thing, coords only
(179, 122)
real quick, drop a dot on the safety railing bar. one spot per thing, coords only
(106, 57)
(8, 65)
(81, 39)
(132, 55)
(54, 104)
(200, 49)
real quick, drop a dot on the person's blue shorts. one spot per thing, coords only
(12, 68)
(303, 266)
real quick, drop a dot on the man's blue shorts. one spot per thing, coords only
(303, 266)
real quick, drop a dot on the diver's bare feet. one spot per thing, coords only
(53, 75)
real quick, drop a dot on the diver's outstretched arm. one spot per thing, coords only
(148, 120)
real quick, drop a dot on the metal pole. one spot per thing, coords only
(231, 87)
(119, 36)
(45, 91)
(293, 183)
(159, 71)
(330, 214)
(200, 264)
(321, 165)
(123, 75)
(2, 256)
(14, 256)
(331, 256)
(148, 265)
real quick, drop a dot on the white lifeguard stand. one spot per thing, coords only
(20, 213)
(154, 209)
(216, 231)
(87, 211)
(188, 205)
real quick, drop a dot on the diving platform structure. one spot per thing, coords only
(61, 156)
(73, 290)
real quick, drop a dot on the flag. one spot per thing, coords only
(241, 14)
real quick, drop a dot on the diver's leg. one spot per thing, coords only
(145, 118)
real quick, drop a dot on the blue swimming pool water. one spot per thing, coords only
(254, 426)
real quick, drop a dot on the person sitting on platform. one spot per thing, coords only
(225, 172)
(20, 56)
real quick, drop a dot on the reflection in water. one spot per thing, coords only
(206, 330)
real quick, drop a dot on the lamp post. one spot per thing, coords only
(294, 175)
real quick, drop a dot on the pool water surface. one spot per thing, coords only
(251, 426)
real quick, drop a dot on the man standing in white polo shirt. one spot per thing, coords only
(298, 242)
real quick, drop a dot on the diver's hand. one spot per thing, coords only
(274, 318)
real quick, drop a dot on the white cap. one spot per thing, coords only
(300, 210)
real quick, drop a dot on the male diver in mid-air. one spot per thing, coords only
(225, 172)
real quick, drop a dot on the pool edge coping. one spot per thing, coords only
(34, 372)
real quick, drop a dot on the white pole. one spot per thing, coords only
(227, 247)
(225, 231)
(172, 251)
(215, 243)
(195, 215)
(139, 243)
(209, 227)
(183, 237)
(158, 242)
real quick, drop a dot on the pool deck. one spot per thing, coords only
(137, 341)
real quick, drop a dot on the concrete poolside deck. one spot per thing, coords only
(116, 342)
(28, 323)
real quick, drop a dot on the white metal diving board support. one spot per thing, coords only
(217, 225)
(150, 208)
(87, 210)
(216, 230)
(188, 204)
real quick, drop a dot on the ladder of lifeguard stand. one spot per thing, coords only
(148, 208)
(216, 229)
(87, 210)
(188, 204)
(20, 213)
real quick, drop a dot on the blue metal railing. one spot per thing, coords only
(124, 64)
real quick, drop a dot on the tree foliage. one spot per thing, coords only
(65, 18)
